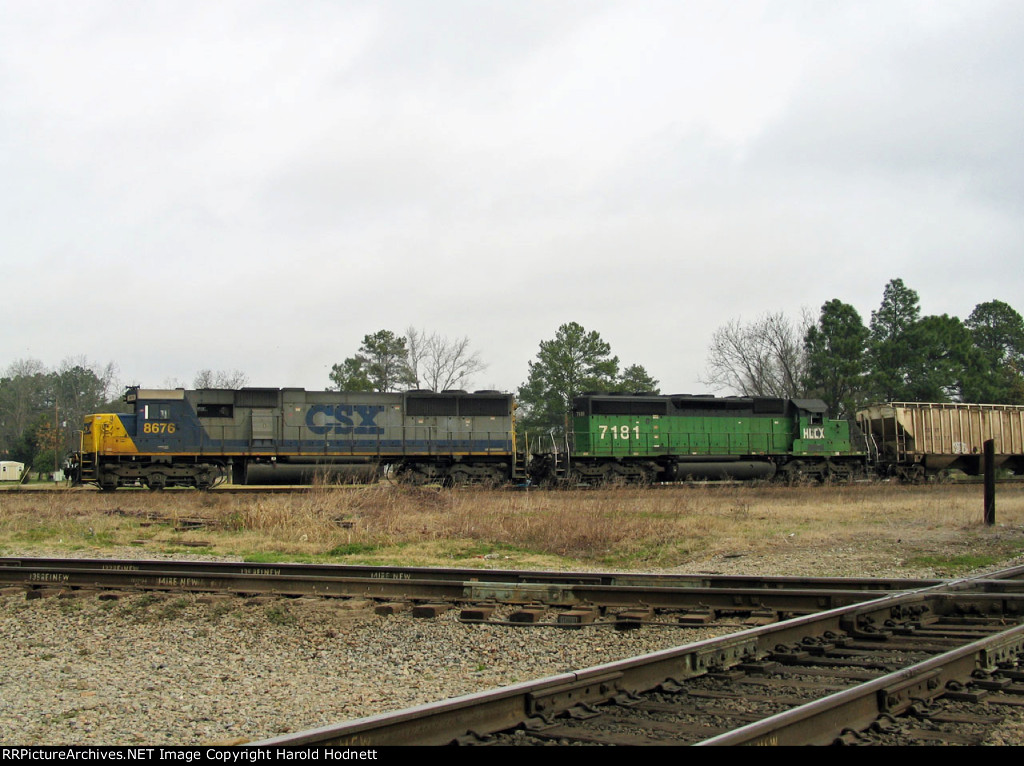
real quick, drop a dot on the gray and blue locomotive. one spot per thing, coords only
(196, 438)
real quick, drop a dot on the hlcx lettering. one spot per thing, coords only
(338, 419)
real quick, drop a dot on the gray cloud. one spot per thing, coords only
(256, 186)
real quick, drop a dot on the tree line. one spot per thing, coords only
(41, 408)
(899, 356)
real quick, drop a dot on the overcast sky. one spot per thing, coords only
(257, 185)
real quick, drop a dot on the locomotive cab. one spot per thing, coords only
(815, 433)
(145, 446)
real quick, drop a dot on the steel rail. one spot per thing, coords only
(557, 589)
(892, 694)
(703, 580)
(293, 582)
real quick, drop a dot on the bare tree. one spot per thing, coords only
(24, 394)
(438, 363)
(220, 379)
(763, 358)
(80, 388)
(416, 354)
(102, 380)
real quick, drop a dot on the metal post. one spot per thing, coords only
(990, 482)
(56, 438)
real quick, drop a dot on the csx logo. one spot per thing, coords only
(329, 418)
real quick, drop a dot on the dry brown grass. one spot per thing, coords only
(620, 528)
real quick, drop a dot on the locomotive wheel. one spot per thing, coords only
(839, 473)
(419, 474)
(614, 474)
(156, 481)
(647, 473)
(794, 473)
(588, 473)
(628, 473)
(207, 476)
(459, 477)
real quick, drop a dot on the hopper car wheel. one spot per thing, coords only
(913, 474)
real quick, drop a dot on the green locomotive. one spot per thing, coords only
(650, 438)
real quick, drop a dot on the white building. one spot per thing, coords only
(11, 471)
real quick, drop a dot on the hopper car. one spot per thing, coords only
(916, 440)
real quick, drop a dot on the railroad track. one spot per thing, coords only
(894, 665)
(570, 599)
(825, 660)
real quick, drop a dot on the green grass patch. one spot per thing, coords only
(104, 538)
(69, 605)
(143, 602)
(478, 549)
(179, 549)
(173, 609)
(219, 610)
(647, 554)
(279, 615)
(36, 534)
(353, 549)
(274, 557)
(955, 565)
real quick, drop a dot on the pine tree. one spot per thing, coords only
(573, 362)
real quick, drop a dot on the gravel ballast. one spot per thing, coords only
(181, 671)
